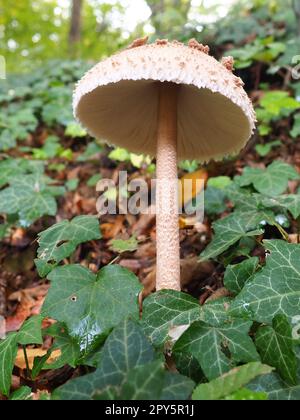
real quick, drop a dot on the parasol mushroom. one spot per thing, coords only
(171, 101)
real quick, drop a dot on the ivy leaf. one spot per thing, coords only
(8, 353)
(91, 304)
(231, 382)
(30, 196)
(275, 289)
(120, 245)
(276, 347)
(125, 349)
(218, 348)
(216, 312)
(237, 275)
(21, 394)
(9, 168)
(214, 199)
(272, 181)
(143, 383)
(230, 230)
(68, 346)
(176, 387)
(245, 394)
(60, 241)
(166, 309)
(290, 202)
(31, 331)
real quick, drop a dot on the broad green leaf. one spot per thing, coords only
(230, 230)
(121, 245)
(237, 275)
(214, 200)
(271, 181)
(230, 382)
(275, 289)
(21, 394)
(188, 365)
(264, 149)
(30, 196)
(290, 202)
(166, 309)
(219, 182)
(295, 132)
(125, 349)
(245, 394)
(275, 388)
(216, 312)
(31, 331)
(93, 181)
(176, 387)
(38, 364)
(73, 129)
(120, 155)
(60, 240)
(8, 353)
(69, 347)
(276, 347)
(91, 304)
(143, 383)
(208, 343)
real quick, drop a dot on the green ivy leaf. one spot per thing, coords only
(214, 200)
(231, 382)
(275, 289)
(230, 230)
(125, 349)
(166, 309)
(290, 202)
(271, 181)
(68, 346)
(120, 245)
(143, 383)
(276, 347)
(60, 241)
(30, 196)
(237, 275)
(9, 168)
(264, 149)
(295, 132)
(8, 353)
(91, 304)
(176, 387)
(208, 343)
(21, 394)
(245, 394)
(31, 331)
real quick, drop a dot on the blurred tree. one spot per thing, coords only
(169, 16)
(75, 24)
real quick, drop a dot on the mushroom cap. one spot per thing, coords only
(117, 100)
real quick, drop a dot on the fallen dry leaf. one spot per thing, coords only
(31, 354)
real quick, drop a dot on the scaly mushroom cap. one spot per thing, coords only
(117, 100)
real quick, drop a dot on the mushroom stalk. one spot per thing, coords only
(167, 226)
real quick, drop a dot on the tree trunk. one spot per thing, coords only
(75, 26)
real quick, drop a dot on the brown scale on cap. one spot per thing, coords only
(138, 42)
(193, 43)
(175, 42)
(161, 42)
(238, 82)
(228, 63)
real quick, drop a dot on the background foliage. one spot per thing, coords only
(71, 287)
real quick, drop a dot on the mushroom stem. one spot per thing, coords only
(167, 227)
